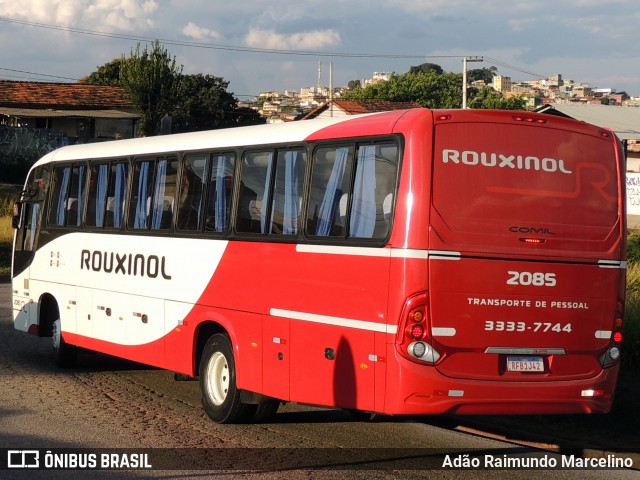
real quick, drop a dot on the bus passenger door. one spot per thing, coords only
(25, 311)
(276, 360)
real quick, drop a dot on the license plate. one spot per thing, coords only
(525, 364)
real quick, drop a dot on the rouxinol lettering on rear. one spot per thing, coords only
(516, 162)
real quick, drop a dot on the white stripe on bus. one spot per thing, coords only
(335, 321)
(378, 252)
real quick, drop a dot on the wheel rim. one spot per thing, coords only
(218, 378)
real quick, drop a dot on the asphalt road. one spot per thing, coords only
(107, 403)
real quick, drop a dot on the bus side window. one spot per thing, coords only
(164, 193)
(330, 182)
(253, 200)
(76, 200)
(192, 190)
(141, 195)
(374, 184)
(287, 192)
(153, 195)
(97, 195)
(361, 209)
(116, 195)
(67, 198)
(220, 189)
(59, 195)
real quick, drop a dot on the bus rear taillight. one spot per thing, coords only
(414, 341)
(612, 355)
(617, 337)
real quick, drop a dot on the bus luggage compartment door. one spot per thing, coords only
(513, 320)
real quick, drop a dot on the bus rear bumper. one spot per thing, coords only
(422, 390)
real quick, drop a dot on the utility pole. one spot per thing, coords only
(464, 77)
(331, 89)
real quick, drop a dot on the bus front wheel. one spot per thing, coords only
(220, 396)
(64, 355)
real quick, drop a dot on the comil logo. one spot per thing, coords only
(498, 160)
(23, 459)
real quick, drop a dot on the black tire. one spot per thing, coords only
(220, 396)
(64, 355)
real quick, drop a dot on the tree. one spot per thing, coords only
(433, 90)
(485, 74)
(194, 102)
(426, 68)
(489, 98)
(108, 74)
(154, 84)
(427, 89)
(204, 105)
(243, 116)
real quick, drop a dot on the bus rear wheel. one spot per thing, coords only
(220, 396)
(64, 355)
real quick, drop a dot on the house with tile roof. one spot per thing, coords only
(83, 112)
(340, 108)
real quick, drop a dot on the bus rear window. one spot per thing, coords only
(497, 182)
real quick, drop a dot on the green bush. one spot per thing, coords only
(631, 339)
(633, 249)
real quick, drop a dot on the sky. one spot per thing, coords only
(265, 45)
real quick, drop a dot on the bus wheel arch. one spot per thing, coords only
(64, 355)
(48, 313)
(205, 331)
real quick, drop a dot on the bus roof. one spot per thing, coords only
(289, 132)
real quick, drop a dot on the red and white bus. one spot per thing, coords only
(405, 262)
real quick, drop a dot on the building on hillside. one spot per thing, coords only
(376, 78)
(502, 84)
(83, 112)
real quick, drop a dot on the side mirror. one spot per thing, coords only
(17, 209)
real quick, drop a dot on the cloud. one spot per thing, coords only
(102, 15)
(313, 40)
(520, 25)
(200, 33)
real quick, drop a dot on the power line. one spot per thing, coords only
(236, 48)
(513, 67)
(39, 74)
(214, 46)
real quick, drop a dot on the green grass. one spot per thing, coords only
(8, 194)
(631, 340)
